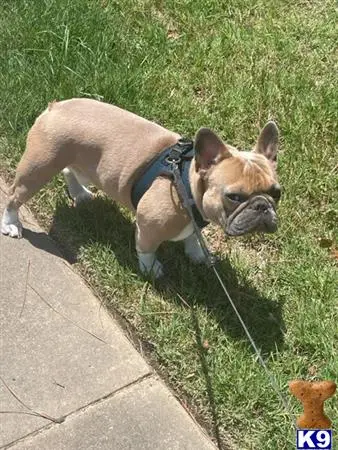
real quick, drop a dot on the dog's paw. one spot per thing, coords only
(193, 250)
(10, 224)
(197, 258)
(12, 230)
(157, 270)
(150, 266)
(83, 196)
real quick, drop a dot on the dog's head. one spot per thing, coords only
(237, 189)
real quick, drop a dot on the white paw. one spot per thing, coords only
(77, 191)
(150, 266)
(83, 196)
(199, 258)
(14, 231)
(157, 270)
(10, 224)
(194, 250)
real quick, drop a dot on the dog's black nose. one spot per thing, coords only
(260, 204)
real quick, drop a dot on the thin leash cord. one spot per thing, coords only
(261, 360)
(211, 262)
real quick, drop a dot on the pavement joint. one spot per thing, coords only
(61, 420)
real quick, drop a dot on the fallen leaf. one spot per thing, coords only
(312, 371)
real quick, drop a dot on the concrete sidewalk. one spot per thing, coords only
(70, 379)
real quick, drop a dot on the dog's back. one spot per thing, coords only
(104, 143)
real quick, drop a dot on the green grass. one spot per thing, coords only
(230, 66)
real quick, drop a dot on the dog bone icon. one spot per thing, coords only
(313, 394)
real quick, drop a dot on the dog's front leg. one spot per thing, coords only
(146, 247)
(193, 249)
(150, 265)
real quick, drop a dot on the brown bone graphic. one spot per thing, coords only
(313, 395)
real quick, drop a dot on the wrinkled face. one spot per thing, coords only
(256, 213)
(242, 194)
(238, 190)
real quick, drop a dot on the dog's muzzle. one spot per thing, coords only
(257, 215)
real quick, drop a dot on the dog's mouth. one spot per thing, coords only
(256, 215)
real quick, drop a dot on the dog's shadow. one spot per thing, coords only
(101, 221)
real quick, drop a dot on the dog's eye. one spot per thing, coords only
(238, 198)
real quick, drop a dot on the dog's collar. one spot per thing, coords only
(181, 154)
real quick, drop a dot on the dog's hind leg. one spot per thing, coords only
(76, 186)
(39, 163)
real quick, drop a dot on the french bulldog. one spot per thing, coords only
(97, 143)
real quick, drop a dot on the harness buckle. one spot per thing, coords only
(173, 158)
(182, 146)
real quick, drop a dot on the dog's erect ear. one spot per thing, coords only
(209, 149)
(267, 143)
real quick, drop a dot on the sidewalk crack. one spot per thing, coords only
(59, 421)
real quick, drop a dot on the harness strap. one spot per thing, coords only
(180, 154)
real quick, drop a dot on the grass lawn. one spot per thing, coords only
(230, 66)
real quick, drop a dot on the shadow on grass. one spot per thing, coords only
(102, 222)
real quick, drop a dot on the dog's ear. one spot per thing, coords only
(209, 149)
(267, 143)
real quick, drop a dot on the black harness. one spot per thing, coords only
(180, 154)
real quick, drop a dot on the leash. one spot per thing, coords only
(211, 261)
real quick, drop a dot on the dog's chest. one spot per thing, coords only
(186, 232)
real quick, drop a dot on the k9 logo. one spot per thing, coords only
(314, 439)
